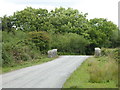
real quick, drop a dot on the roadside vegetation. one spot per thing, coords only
(28, 34)
(24, 64)
(18, 51)
(96, 72)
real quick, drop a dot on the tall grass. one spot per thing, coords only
(103, 69)
(101, 72)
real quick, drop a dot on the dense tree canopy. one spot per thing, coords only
(101, 32)
(98, 31)
(30, 33)
(58, 20)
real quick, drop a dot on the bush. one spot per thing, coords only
(103, 69)
(69, 43)
(111, 52)
(41, 39)
(7, 58)
(16, 48)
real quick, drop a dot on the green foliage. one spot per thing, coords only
(6, 57)
(59, 20)
(9, 42)
(24, 64)
(115, 38)
(101, 32)
(99, 72)
(103, 70)
(16, 48)
(98, 31)
(72, 33)
(68, 20)
(41, 39)
(6, 23)
(69, 43)
(113, 52)
(31, 19)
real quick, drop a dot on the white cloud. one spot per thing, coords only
(9, 8)
(99, 9)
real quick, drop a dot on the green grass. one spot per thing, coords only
(82, 77)
(24, 64)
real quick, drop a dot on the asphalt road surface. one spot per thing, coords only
(52, 74)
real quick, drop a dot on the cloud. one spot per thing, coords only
(8, 8)
(40, 1)
(99, 9)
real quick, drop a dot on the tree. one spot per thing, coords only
(101, 32)
(60, 20)
(41, 40)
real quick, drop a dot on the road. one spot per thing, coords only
(52, 74)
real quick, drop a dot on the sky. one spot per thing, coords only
(95, 8)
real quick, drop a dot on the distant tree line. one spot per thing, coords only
(63, 24)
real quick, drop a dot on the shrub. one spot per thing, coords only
(41, 39)
(100, 71)
(95, 71)
(25, 51)
(7, 58)
(110, 71)
(69, 43)
(111, 52)
(16, 48)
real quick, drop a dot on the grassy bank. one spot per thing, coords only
(24, 64)
(95, 72)
(19, 51)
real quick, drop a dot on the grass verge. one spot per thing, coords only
(24, 64)
(98, 72)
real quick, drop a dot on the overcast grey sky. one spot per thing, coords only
(95, 8)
